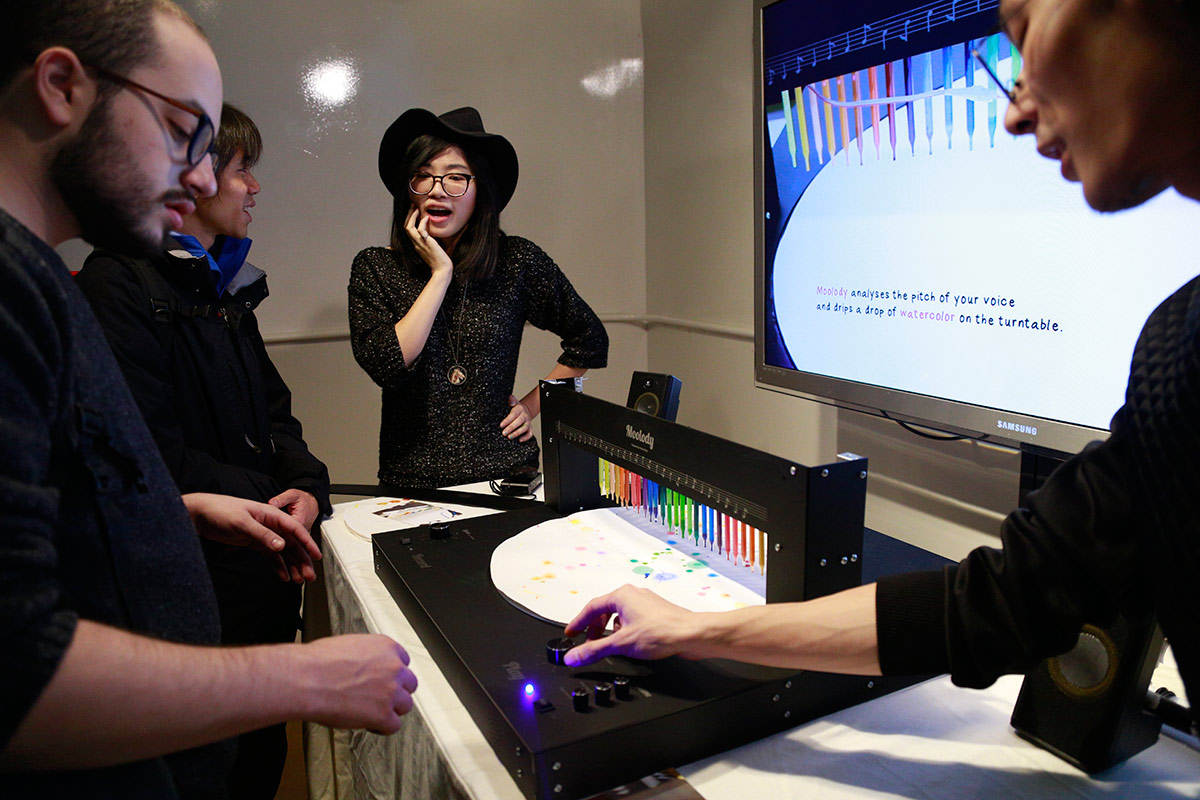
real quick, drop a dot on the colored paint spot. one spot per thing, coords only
(643, 571)
(581, 547)
(712, 574)
(700, 564)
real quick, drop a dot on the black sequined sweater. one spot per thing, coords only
(434, 433)
(1116, 528)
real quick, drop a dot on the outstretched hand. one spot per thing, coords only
(645, 626)
(237, 521)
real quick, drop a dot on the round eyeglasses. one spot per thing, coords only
(200, 143)
(454, 184)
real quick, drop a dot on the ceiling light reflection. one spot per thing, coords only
(610, 80)
(331, 83)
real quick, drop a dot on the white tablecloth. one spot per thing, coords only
(929, 741)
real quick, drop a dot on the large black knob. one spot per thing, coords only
(439, 530)
(621, 687)
(556, 650)
(579, 699)
(604, 693)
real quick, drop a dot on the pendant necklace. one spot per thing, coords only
(457, 374)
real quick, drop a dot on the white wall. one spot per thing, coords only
(700, 227)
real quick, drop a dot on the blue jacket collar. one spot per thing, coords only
(225, 259)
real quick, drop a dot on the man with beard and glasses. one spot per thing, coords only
(107, 685)
(183, 329)
(1107, 89)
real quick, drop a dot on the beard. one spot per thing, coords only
(96, 174)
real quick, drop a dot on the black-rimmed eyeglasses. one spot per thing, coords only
(200, 144)
(1009, 94)
(990, 38)
(454, 184)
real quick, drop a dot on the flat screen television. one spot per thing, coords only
(915, 260)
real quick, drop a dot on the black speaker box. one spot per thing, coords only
(655, 394)
(1087, 706)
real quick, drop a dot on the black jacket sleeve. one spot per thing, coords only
(295, 466)
(1071, 556)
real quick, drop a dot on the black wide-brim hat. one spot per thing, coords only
(463, 127)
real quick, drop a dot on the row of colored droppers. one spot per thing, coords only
(684, 517)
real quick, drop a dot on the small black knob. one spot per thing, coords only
(579, 699)
(556, 650)
(604, 694)
(622, 689)
(439, 530)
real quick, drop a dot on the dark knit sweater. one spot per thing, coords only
(91, 524)
(1116, 528)
(434, 433)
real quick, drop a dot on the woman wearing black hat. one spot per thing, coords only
(436, 318)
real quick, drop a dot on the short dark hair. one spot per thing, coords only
(237, 133)
(115, 35)
(478, 248)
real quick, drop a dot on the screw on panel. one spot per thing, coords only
(775, 699)
(518, 751)
(863, 475)
(557, 788)
(778, 547)
(792, 470)
(557, 766)
(823, 562)
(824, 473)
(870, 684)
(853, 557)
(787, 685)
(845, 561)
(520, 772)
(787, 714)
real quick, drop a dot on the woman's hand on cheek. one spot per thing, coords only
(428, 248)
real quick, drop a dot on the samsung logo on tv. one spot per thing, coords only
(639, 436)
(1016, 427)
